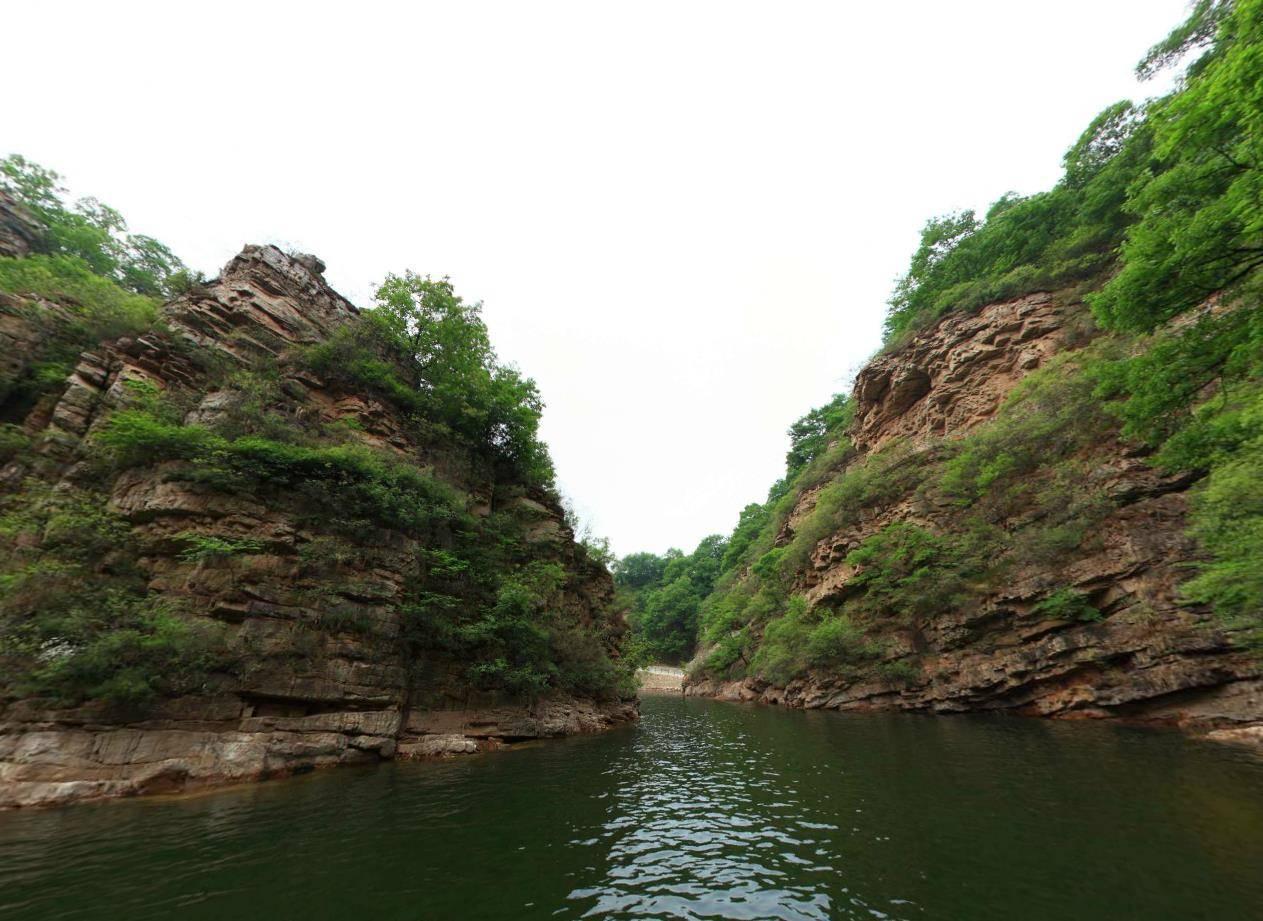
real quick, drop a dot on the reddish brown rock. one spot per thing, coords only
(953, 376)
(1152, 657)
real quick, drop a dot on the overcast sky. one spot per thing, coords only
(684, 218)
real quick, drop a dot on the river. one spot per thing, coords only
(705, 810)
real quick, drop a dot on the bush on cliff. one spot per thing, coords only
(801, 639)
(367, 483)
(106, 283)
(77, 621)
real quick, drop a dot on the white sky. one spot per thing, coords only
(684, 218)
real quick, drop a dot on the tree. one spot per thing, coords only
(1196, 32)
(1199, 214)
(939, 238)
(443, 346)
(639, 570)
(666, 595)
(668, 622)
(91, 231)
(810, 435)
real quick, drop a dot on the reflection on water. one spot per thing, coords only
(706, 810)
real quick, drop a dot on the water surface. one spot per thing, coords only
(706, 810)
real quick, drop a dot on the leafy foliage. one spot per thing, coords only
(1067, 604)
(809, 437)
(1228, 521)
(665, 595)
(1199, 212)
(800, 640)
(367, 483)
(76, 619)
(428, 352)
(106, 283)
(90, 235)
(1048, 240)
(906, 572)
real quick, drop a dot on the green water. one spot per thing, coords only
(705, 810)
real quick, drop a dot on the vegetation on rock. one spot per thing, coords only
(382, 537)
(1156, 224)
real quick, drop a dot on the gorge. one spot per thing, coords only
(991, 646)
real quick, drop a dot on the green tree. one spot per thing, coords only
(426, 350)
(91, 232)
(639, 570)
(668, 621)
(810, 435)
(940, 237)
(1199, 226)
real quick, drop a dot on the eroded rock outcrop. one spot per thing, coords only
(951, 378)
(1146, 655)
(314, 617)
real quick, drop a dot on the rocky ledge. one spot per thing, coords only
(60, 757)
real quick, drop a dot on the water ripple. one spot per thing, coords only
(705, 811)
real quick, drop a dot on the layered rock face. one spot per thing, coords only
(1149, 656)
(328, 679)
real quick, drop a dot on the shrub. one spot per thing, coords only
(582, 663)
(424, 349)
(801, 639)
(835, 640)
(13, 442)
(391, 493)
(782, 654)
(906, 573)
(879, 480)
(1067, 604)
(201, 547)
(1228, 522)
(102, 308)
(76, 619)
(90, 233)
(899, 671)
(143, 651)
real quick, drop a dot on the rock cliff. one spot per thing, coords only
(1142, 653)
(313, 618)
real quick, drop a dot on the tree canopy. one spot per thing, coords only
(91, 232)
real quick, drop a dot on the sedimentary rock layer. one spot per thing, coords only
(1150, 657)
(327, 679)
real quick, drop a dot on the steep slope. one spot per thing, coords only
(224, 565)
(1085, 520)
(1045, 496)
